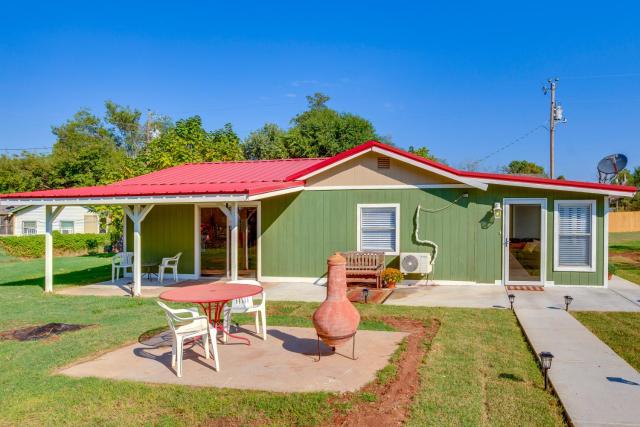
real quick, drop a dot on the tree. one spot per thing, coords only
(320, 131)
(85, 153)
(25, 172)
(127, 131)
(426, 153)
(266, 143)
(523, 167)
(187, 141)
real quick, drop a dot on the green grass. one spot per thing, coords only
(479, 370)
(75, 270)
(624, 254)
(615, 238)
(620, 331)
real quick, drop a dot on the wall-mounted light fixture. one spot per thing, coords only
(497, 210)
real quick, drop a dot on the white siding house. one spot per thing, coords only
(72, 219)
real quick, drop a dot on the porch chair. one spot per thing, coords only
(170, 263)
(193, 325)
(246, 305)
(121, 261)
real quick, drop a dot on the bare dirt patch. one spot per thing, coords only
(391, 400)
(32, 333)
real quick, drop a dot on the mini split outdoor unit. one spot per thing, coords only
(415, 263)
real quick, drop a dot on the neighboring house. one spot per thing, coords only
(27, 220)
(280, 219)
(6, 223)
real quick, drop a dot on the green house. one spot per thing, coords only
(279, 220)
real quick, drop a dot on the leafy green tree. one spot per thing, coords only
(25, 172)
(426, 153)
(188, 141)
(524, 167)
(320, 131)
(266, 143)
(85, 153)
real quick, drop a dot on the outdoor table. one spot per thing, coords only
(147, 268)
(216, 294)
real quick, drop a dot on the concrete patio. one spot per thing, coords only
(285, 362)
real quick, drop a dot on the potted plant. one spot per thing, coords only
(612, 270)
(391, 276)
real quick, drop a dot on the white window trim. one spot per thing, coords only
(380, 205)
(556, 236)
(35, 227)
(73, 227)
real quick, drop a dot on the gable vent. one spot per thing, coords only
(384, 163)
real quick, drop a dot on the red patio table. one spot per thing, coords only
(217, 294)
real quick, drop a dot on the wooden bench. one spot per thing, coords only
(364, 267)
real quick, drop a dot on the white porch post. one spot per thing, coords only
(234, 241)
(137, 216)
(50, 216)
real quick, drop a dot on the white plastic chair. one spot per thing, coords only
(121, 261)
(246, 305)
(170, 263)
(193, 325)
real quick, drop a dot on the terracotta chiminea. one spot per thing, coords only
(336, 320)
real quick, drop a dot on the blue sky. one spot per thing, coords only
(462, 79)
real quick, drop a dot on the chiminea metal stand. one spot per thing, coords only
(353, 341)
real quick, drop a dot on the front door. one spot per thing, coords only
(524, 248)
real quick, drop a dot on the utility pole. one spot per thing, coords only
(555, 115)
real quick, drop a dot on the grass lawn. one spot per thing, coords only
(624, 253)
(73, 270)
(478, 371)
(620, 331)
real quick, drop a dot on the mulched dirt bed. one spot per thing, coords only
(393, 399)
(376, 296)
(32, 333)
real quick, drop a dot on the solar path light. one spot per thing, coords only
(567, 301)
(512, 298)
(545, 360)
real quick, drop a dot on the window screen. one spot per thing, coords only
(66, 227)
(29, 227)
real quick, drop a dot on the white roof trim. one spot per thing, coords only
(128, 200)
(558, 187)
(276, 193)
(469, 181)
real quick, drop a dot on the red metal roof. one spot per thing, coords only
(243, 177)
(263, 176)
(367, 146)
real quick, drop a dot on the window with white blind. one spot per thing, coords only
(575, 235)
(379, 228)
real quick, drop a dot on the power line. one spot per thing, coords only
(515, 141)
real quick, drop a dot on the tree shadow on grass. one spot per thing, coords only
(78, 277)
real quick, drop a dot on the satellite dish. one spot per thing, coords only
(610, 166)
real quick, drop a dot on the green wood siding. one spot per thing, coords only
(299, 231)
(167, 230)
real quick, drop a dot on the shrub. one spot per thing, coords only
(63, 244)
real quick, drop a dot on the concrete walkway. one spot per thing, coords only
(595, 385)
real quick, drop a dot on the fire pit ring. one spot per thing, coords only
(333, 349)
